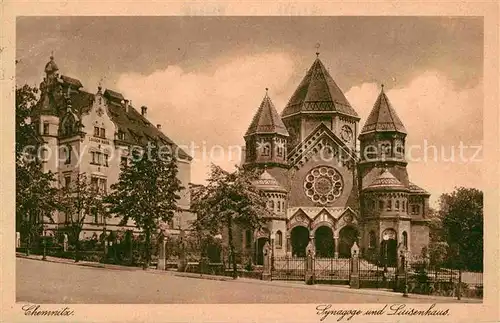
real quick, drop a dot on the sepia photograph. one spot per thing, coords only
(321, 160)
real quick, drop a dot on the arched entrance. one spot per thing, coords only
(300, 239)
(260, 250)
(347, 236)
(389, 248)
(324, 243)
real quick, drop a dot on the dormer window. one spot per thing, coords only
(121, 135)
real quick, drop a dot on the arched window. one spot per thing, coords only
(405, 239)
(404, 206)
(279, 206)
(381, 205)
(283, 206)
(389, 205)
(279, 239)
(371, 240)
(271, 205)
(397, 205)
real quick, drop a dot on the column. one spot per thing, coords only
(288, 245)
(336, 243)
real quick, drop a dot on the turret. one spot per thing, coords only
(266, 138)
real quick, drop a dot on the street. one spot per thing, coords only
(48, 282)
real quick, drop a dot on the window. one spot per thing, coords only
(371, 153)
(389, 205)
(103, 133)
(279, 239)
(405, 239)
(45, 128)
(397, 205)
(103, 184)
(124, 161)
(106, 157)
(415, 209)
(272, 205)
(381, 205)
(96, 131)
(96, 158)
(283, 206)
(94, 183)
(371, 240)
(121, 135)
(404, 206)
(264, 148)
(68, 155)
(67, 180)
(279, 206)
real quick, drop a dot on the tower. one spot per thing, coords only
(382, 144)
(46, 117)
(266, 138)
(318, 100)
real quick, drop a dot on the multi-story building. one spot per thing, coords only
(325, 189)
(93, 133)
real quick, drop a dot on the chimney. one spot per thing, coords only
(144, 110)
(158, 126)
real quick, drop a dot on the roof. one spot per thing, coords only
(386, 181)
(136, 128)
(417, 189)
(318, 92)
(113, 95)
(267, 182)
(383, 117)
(71, 81)
(267, 120)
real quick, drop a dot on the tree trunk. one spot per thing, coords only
(231, 245)
(147, 252)
(28, 244)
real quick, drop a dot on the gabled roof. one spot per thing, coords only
(383, 117)
(318, 92)
(267, 120)
(386, 181)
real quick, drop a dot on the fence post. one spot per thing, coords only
(354, 277)
(309, 277)
(161, 256)
(266, 251)
(459, 288)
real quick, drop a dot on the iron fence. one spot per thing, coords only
(332, 270)
(288, 268)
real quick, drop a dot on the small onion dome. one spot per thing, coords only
(386, 181)
(51, 66)
(268, 183)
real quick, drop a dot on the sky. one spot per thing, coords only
(202, 78)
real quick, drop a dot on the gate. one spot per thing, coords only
(285, 268)
(373, 275)
(332, 270)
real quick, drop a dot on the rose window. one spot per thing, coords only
(323, 185)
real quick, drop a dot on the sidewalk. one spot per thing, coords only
(325, 287)
(80, 263)
(290, 284)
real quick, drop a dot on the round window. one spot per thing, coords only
(323, 184)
